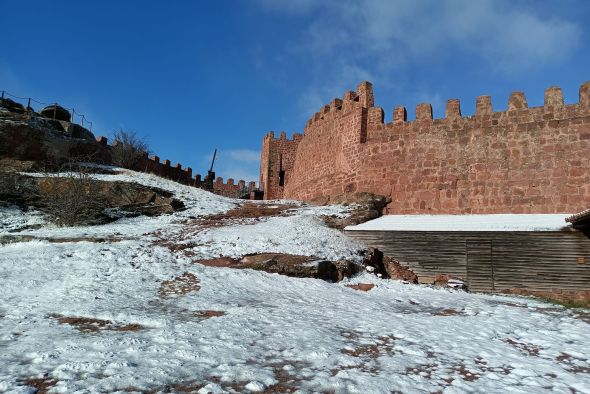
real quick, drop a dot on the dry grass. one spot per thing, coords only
(361, 286)
(89, 324)
(530, 349)
(448, 312)
(573, 363)
(247, 213)
(42, 385)
(204, 315)
(181, 285)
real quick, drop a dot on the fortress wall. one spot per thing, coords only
(277, 159)
(522, 160)
(176, 173)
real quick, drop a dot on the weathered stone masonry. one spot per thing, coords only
(522, 160)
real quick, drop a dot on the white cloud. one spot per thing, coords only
(346, 41)
(242, 155)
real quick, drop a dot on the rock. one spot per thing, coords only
(449, 281)
(300, 266)
(76, 131)
(397, 271)
(387, 268)
(100, 201)
(374, 257)
(34, 138)
(56, 112)
(320, 201)
(362, 286)
(12, 105)
(366, 206)
(346, 269)
(376, 201)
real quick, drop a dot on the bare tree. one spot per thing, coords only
(128, 149)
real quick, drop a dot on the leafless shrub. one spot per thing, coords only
(15, 188)
(128, 149)
(72, 196)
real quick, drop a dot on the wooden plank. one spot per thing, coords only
(541, 261)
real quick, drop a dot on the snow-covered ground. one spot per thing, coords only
(264, 331)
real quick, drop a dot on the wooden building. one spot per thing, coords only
(491, 253)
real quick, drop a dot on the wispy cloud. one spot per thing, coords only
(242, 155)
(377, 38)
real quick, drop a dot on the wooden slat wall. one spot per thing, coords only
(480, 272)
(541, 261)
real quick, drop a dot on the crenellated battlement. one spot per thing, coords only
(177, 173)
(521, 159)
(363, 99)
(270, 136)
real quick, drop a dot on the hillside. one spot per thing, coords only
(158, 304)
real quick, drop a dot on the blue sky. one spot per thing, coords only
(192, 76)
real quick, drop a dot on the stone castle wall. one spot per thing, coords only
(522, 160)
(277, 160)
(177, 173)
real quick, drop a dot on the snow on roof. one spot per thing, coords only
(495, 222)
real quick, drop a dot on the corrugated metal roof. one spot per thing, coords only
(577, 217)
(492, 222)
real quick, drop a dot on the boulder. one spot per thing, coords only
(386, 267)
(56, 112)
(397, 271)
(47, 141)
(12, 106)
(373, 262)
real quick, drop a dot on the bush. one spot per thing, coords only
(128, 149)
(72, 196)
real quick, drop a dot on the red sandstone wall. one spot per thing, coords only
(277, 155)
(523, 160)
(230, 189)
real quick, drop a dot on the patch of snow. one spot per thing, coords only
(303, 235)
(492, 222)
(12, 218)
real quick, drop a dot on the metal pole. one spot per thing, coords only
(29, 103)
(73, 112)
(213, 161)
(3, 95)
(54, 110)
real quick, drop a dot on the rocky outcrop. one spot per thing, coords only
(83, 200)
(55, 111)
(29, 136)
(11, 106)
(364, 207)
